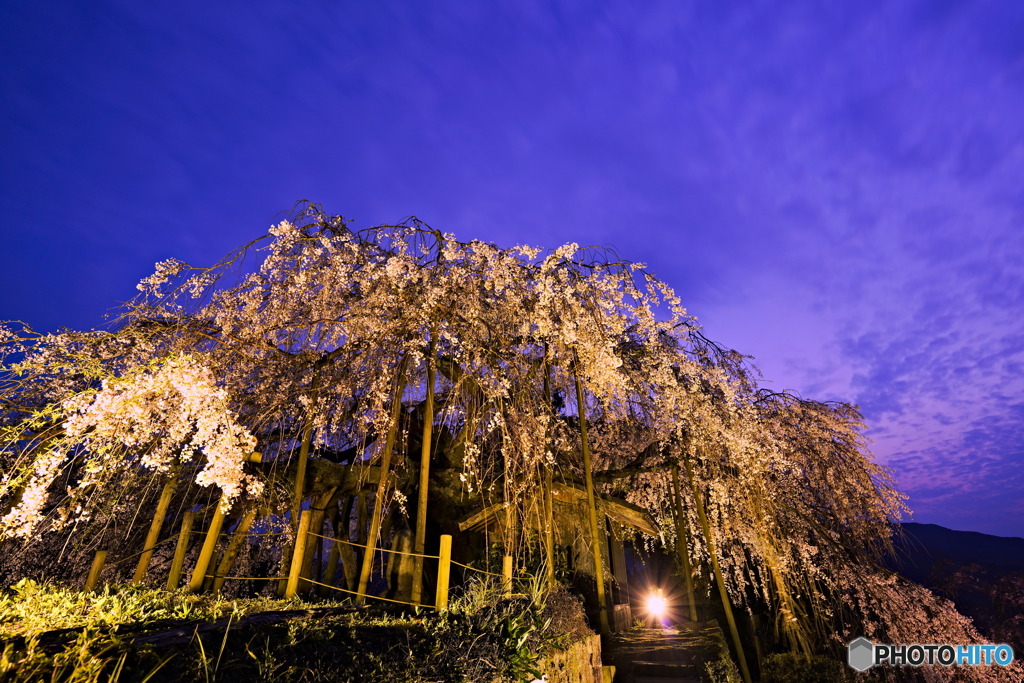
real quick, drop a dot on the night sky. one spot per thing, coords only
(835, 188)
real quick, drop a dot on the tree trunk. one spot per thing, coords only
(332, 560)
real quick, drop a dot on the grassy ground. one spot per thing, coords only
(131, 633)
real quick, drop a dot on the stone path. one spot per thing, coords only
(660, 655)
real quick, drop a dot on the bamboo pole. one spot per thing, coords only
(231, 552)
(385, 466)
(682, 544)
(294, 574)
(444, 566)
(180, 550)
(206, 552)
(94, 572)
(595, 538)
(420, 542)
(722, 592)
(154, 528)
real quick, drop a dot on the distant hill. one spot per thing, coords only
(982, 574)
(925, 545)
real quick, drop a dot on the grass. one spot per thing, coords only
(55, 634)
(31, 608)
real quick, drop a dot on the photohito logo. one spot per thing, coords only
(862, 654)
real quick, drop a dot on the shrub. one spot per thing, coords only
(793, 668)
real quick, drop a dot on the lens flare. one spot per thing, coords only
(656, 605)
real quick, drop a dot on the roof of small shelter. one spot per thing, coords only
(624, 513)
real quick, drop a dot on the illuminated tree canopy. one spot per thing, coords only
(446, 374)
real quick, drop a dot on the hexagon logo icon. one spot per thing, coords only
(860, 654)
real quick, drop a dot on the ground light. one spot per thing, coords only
(656, 606)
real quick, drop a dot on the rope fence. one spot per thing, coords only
(475, 569)
(138, 554)
(383, 550)
(295, 573)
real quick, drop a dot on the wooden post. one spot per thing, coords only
(318, 510)
(420, 541)
(506, 576)
(595, 537)
(385, 467)
(722, 592)
(307, 438)
(617, 558)
(94, 573)
(682, 544)
(300, 473)
(179, 550)
(444, 566)
(231, 552)
(154, 528)
(300, 549)
(206, 552)
(549, 502)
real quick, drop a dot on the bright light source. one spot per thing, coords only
(656, 605)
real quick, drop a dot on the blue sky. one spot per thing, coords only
(832, 187)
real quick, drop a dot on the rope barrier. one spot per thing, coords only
(383, 550)
(265, 533)
(138, 554)
(375, 597)
(474, 569)
(247, 578)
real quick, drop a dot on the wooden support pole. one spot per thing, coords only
(722, 592)
(300, 547)
(298, 495)
(318, 509)
(617, 558)
(596, 539)
(154, 528)
(94, 572)
(385, 468)
(206, 552)
(682, 544)
(307, 437)
(231, 552)
(420, 541)
(180, 550)
(549, 502)
(444, 567)
(506, 576)
(549, 527)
